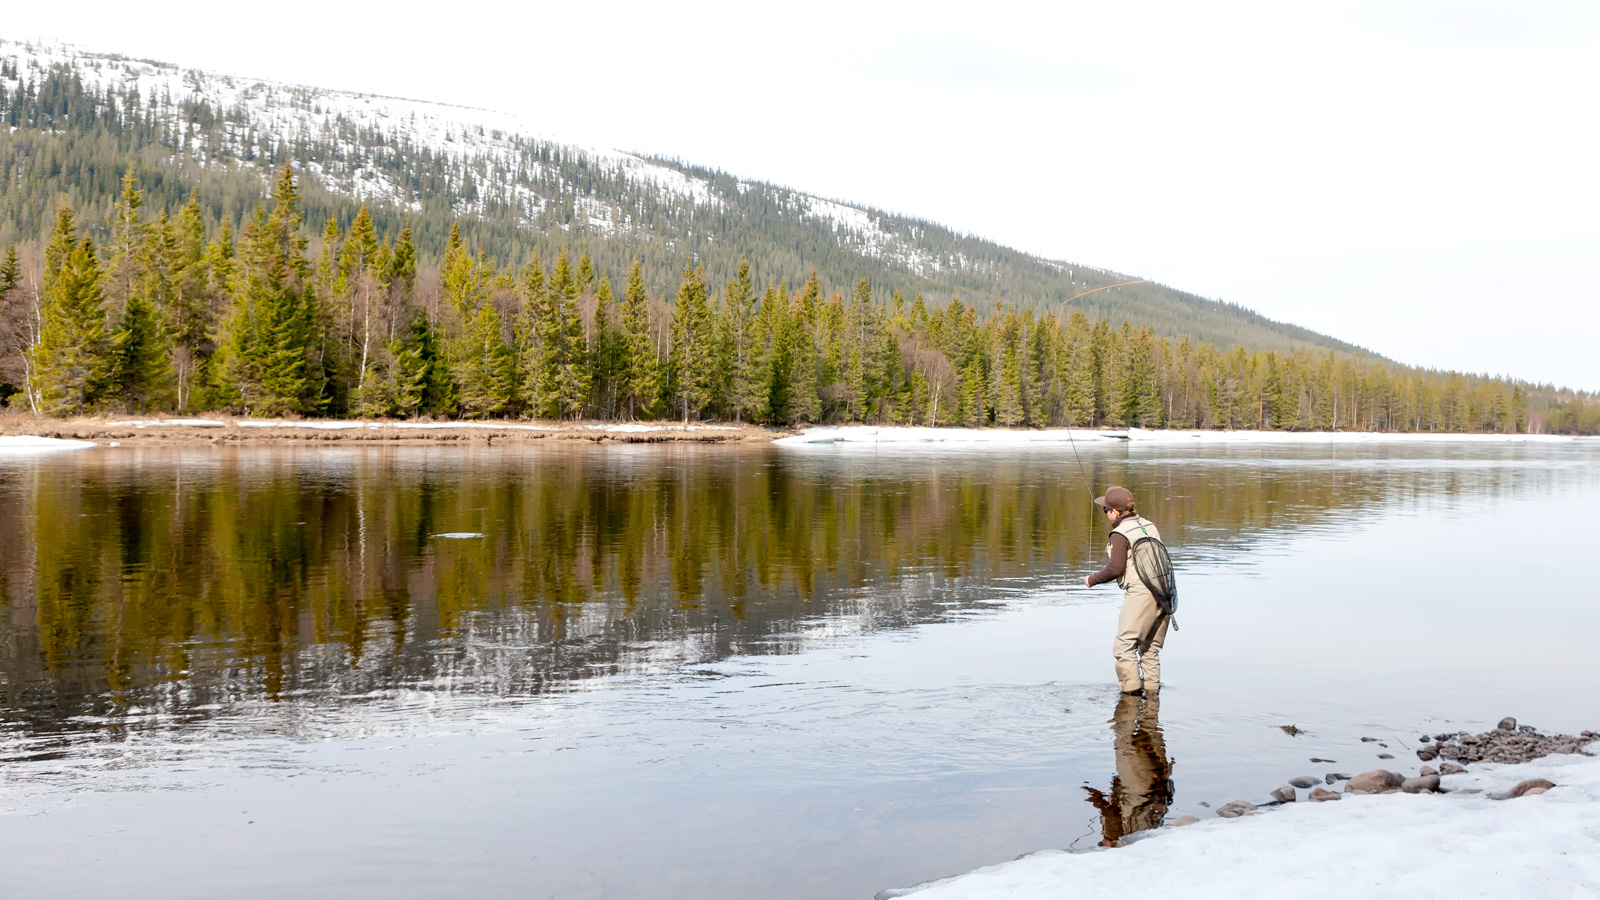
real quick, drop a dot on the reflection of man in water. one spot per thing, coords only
(1141, 790)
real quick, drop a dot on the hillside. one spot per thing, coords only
(76, 119)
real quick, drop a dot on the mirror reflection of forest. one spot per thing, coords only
(142, 584)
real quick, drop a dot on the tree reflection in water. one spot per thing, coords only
(1142, 789)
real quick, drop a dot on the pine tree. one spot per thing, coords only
(745, 383)
(71, 365)
(640, 383)
(127, 235)
(694, 345)
(801, 353)
(270, 337)
(142, 358)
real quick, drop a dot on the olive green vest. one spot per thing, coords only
(1133, 528)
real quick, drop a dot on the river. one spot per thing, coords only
(691, 672)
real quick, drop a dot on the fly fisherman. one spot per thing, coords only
(1141, 627)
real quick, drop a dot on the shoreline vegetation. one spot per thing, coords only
(222, 429)
(170, 312)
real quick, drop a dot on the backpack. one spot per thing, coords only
(1153, 564)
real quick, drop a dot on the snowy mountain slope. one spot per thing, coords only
(429, 161)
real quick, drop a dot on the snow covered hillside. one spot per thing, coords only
(81, 114)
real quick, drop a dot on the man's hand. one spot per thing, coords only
(1086, 581)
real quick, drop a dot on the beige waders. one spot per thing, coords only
(1141, 629)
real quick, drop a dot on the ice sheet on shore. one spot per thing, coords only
(864, 434)
(1374, 846)
(27, 443)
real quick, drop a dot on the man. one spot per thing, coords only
(1141, 628)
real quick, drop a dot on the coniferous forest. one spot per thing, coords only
(169, 314)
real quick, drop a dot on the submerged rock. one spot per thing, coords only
(1375, 781)
(1320, 795)
(1331, 777)
(1427, 754)
(1386, 756)
(1182, 820)
(1450, 768)
(1304, 781)
(1428, 770)
(1235, 809)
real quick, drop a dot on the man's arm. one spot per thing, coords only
(1117, 565)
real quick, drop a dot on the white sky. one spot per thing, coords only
(1416, 176)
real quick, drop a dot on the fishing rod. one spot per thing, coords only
(1070, 441)
(1106, 288)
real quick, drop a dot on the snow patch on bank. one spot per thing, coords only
(27, 443)
(863, 434)
(1376, 846)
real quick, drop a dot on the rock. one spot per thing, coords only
(1507, 724)
(1527, 729)
(1374, 782)
(1424, 739)
(1304, 781)
(1331, 777)
(1532, 785)
(1367, 740)
(1451, 768)
(1292, 730)
(1319, 795)
(1441, 738)
(1284, 794)
(1425, 784)
(1317, 759)
(1386, 756)
(1427, 754)
(1235, 809)
(1182, 820)
(1206, 803)
(1428, 770)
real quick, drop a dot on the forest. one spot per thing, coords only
(168, 314)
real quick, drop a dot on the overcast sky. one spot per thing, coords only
(1415, 176)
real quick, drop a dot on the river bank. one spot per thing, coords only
(1530, 827)
(232, 430)
(237, 430)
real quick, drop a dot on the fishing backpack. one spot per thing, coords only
(1149, 559)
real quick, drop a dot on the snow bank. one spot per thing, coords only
(166, 423)
(27, 443)
(1375, 846)
(862, 434)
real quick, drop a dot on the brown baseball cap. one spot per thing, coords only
(1117, 498)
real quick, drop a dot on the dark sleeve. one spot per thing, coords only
(1118, 563)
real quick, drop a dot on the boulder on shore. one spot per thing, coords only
(1525, 789)
(1374, 782)
(1422, 784)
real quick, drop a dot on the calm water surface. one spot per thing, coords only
(715, 672)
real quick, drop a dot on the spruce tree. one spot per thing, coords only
(745, 384)
(71, 366)
(640, 381)
(694, 345)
